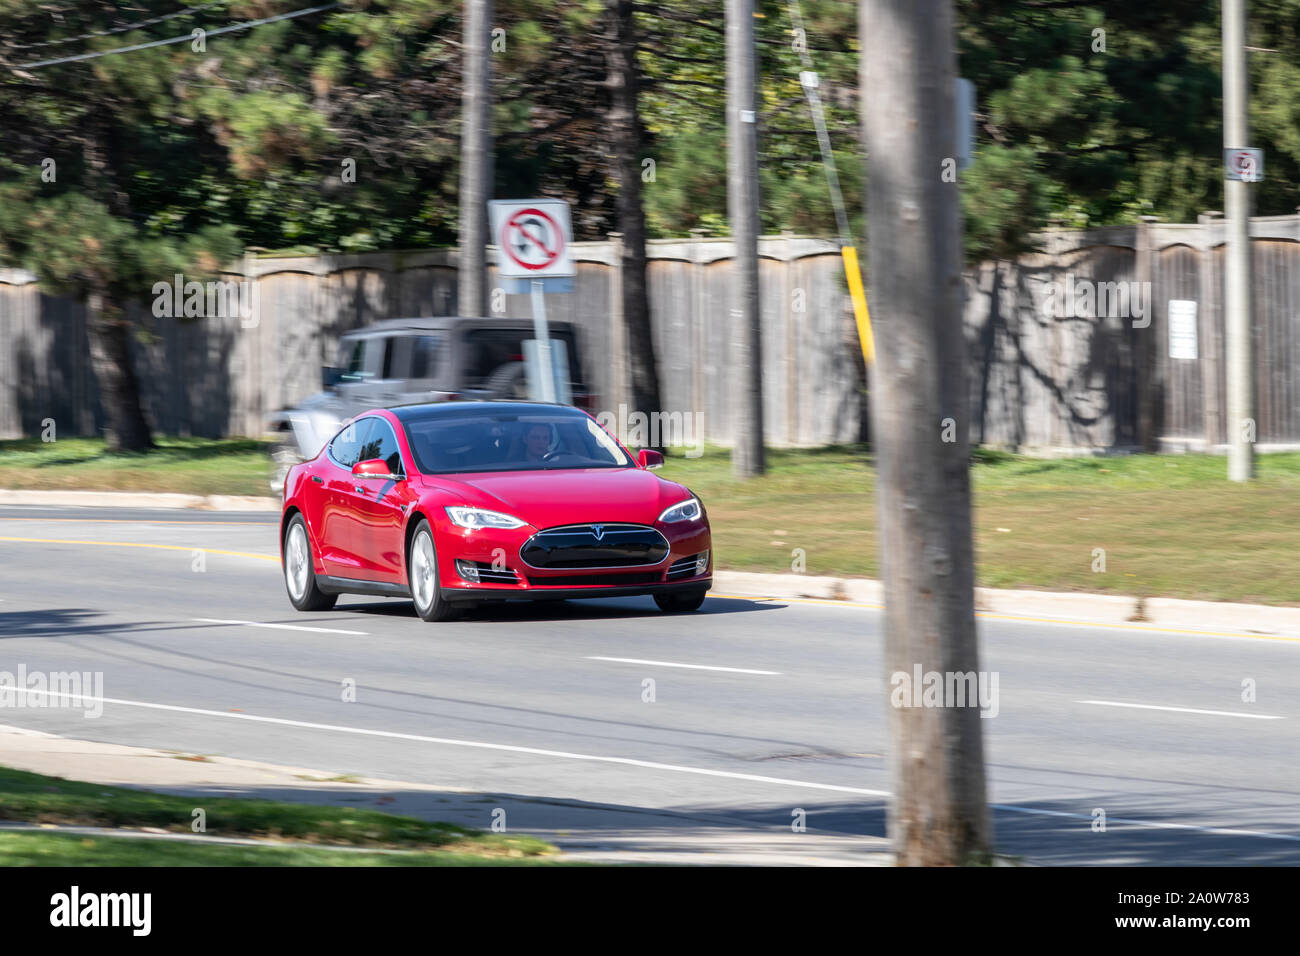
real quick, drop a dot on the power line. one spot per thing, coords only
(234, 27)
(123, 29)
(808, 80)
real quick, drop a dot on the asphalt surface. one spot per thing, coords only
(515, 702)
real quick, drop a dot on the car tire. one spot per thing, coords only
(422, 577)
(680, 602)
(299, 571)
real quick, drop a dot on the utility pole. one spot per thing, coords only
(747, 457)
(626, 138)
(938, 814)
(1238, 297)
(475, 157)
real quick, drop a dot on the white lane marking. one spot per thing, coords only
(281, 627)
(624, 761)
(1181, 710)
(1220, 831)
(451, 742)
(694, 667)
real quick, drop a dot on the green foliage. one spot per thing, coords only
(253, 134)
(1093, 136)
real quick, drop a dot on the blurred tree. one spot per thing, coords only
(1098, 113)
(340, 131)
(96, 152)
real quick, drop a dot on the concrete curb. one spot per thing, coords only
(1207, 617)
(136, 499)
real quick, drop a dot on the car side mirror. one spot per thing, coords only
(330, 376)
(373, 468)
(650, 459)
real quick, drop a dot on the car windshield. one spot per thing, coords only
(480, 440)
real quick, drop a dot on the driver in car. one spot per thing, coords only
(537, 440)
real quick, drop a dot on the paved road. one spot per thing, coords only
(542, 707)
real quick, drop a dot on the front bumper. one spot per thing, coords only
(467, 595)
(506, 576)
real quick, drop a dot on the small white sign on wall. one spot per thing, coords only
(1182, 328)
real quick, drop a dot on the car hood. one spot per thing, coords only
(565, 496)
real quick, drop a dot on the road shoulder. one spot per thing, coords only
(583, 832)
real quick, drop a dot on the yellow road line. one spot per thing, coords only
(137, 544)
(747, 597)
(1033, 620)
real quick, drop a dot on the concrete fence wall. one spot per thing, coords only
(1103, 378)
(222, 376)
(1050, 371)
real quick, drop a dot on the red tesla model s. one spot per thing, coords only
(457, 503)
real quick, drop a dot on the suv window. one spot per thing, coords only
(345, 449)
(424, 355)
(489, 349)
(380, 442)
(352, 360)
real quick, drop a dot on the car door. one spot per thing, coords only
(377, 508)
(337, 544)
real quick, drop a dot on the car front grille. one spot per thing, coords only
(583, 546)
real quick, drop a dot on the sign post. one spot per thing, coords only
(533, 236)
(543, 334)
(1243, 166)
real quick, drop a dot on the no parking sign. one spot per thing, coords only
(1246, 165)
(533, 236)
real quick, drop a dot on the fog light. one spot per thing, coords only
(468, 570)
(702, 562)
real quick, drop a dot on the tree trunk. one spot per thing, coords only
(475, 158)
(938, 813)
(119, 389)
(626, 138)
(747, 457)
(107, 327)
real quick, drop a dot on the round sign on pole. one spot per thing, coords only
(1246, 165)
(534, 239)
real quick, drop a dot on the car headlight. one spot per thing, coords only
(482, 518)
(688, 510)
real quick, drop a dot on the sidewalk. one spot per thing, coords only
(136, 499)
(582, 831)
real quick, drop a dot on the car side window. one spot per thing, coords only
(346, 447)
(424, 356)
(354, 361)
(380, 442)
